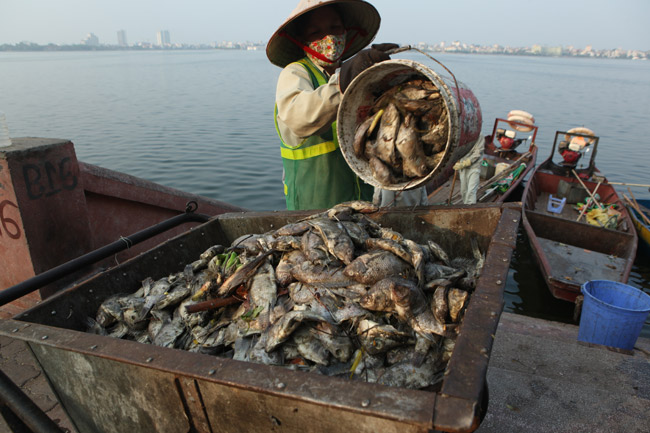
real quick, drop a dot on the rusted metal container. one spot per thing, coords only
(111, 385)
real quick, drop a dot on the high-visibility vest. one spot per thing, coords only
(316, 175)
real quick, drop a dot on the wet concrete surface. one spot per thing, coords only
(541, 379)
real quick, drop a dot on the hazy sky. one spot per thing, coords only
(603, 24)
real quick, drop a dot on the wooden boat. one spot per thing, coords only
(569, 250)
(510, 165)
(640, 212)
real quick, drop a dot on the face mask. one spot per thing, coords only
(327, 51)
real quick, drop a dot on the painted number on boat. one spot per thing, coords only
(9, 225)
(48, 179)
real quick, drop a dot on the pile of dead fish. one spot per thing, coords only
(405, 133)
(335, 293)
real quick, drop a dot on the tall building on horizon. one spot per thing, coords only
(121, 38)
(163, 38)
(91, 40)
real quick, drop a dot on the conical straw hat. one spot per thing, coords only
(356, 14)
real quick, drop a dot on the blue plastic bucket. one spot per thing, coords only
(612, 314)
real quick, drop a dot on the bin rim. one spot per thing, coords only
(626, 287)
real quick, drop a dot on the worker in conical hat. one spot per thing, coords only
(311, 46)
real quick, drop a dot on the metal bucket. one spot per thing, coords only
(464, 117)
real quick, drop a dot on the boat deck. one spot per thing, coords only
(568, 211)
(541, 379)
(600, 266)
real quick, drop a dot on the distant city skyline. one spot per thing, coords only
(601, 24)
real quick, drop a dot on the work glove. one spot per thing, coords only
(462, 164)
(362, 61)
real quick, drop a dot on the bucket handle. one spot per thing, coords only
(409, 47)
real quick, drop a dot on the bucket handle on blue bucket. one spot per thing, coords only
(409, 48)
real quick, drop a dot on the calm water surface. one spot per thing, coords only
(201, 121)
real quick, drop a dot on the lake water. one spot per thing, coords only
(201, 121)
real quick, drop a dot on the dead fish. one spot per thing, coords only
(247, 243)
(212, 252)
(437, 252)
(409, 300)
(155, 294)
(109, 312)
(414, 107)
(379, 297)
(387, 134)
(380, 171)
(132, 313)
(242, 348)
(287, 262)
(281, 330)
(389, 245)
(480, 258)
(377, 338)
(417, 259)
(336, 239)
(314, 248)
(359, 206)
(261, 355)
(173, 297)
(434, 271)
(408, 145)
(263, 293)
(433, 161)
(414, 92)
(356, 233)
(169, 332)
(422, 349)
(359, 143)
(375, 266)
(334, 340)
(191, 319)
(119, 330)
(370, 149)
(353, 292)
(279, 243)
(309, 347)
(293, 229)
(301, 293)
(456, 299)
(322, 276)
(347, 311)
(448, 345)
(406, 375)
(94, 328)
(439, 305)
(387, 233)
(426, 325)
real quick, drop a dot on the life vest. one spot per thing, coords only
(316, 175)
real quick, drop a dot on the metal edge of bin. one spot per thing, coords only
(455, 400)
(457, 407)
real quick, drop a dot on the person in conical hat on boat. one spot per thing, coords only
(311, 45)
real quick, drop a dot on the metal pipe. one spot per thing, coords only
(24, 408)
(21, 289)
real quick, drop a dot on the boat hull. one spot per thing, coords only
(570, 252)
(642, 229)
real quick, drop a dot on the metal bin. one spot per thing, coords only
(110, 385)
